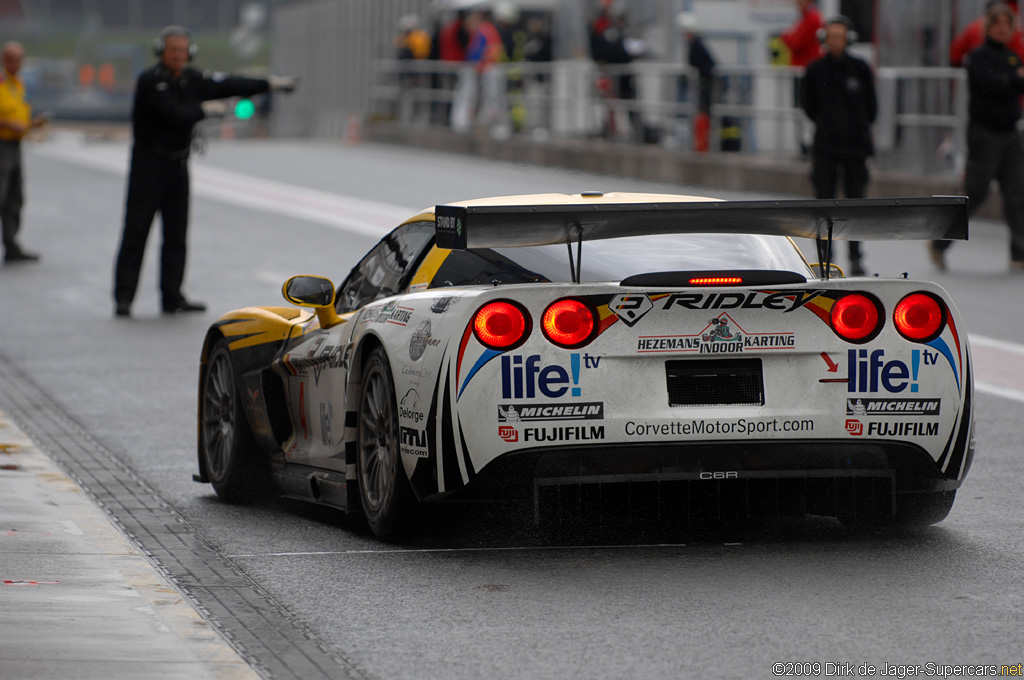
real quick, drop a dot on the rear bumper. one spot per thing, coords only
(910, 465)
(745, 478)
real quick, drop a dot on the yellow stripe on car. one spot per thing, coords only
(253, 326)
(428, 269)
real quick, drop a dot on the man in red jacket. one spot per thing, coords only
(452, 39)
(802, 37)
(973, 36)
(804, 46)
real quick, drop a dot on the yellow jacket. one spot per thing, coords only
(13, 107)
(418, 42)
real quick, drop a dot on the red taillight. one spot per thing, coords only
(569, 323)
(919, 317)
(856, 317)
(716, 281)
(501, 325)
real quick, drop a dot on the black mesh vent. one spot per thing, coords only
(715, 382)
(703, 503)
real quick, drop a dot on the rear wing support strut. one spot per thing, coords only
(575, 231)
(825, 252)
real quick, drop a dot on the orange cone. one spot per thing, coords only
(353, 130)
(701, 133)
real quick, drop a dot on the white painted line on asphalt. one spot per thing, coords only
(347, 213)
(113, 160)
(999, 391)
(983, 341)
(341, 212)
(993, 371)
(272, 277)
(458, 550)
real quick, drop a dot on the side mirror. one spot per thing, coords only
(308, 291)
(316, 292)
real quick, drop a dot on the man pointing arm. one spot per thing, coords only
(170, 98)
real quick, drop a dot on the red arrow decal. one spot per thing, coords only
(832, 367)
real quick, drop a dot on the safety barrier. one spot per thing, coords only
(920, 127)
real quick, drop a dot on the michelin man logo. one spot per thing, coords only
(856, 407)
(509, 415)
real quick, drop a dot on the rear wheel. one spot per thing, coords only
(384, 491)
(233, 464)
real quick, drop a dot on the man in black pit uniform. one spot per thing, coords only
(995, 76)
(838, 94)
(170, 98)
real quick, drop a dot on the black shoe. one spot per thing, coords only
(18, 255)
(123, 310)
(856, 269)
(183, 306)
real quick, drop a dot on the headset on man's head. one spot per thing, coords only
(161, 41)
(851, 33)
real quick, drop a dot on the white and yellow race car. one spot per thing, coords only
(600, 351)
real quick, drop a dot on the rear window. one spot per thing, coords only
(616, 259)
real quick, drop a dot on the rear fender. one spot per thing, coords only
(354, 386)
(255, 335)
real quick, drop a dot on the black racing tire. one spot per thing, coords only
(234, 465)
(923, 509)
(384, 493)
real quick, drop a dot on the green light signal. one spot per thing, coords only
(244, 109)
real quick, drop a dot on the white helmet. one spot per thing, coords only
(505, 11)
(687, 22)
(408, 22)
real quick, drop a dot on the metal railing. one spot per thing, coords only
(920, 127)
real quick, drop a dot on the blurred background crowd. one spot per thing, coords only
(703, 75)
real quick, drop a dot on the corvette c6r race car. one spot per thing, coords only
(598, 349)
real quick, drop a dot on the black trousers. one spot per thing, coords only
(825, 171)
(156, 182)
(11, 196)
(1000, 156)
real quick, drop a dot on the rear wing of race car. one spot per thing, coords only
(462, 227)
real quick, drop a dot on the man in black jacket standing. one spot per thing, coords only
(838, 94)
(994, 150)
(170, 98)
